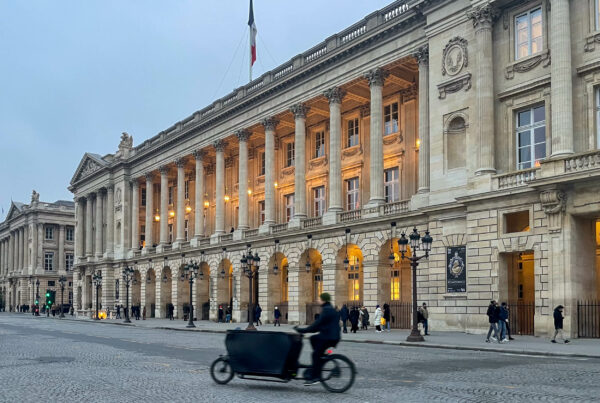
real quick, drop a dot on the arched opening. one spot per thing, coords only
(395, 284)
(278, 287)
(349, 281)
(136, 289)
(310, 285)
(150, 296)
(225, 287)
(165, 291)
(202, 308)
(183, 294)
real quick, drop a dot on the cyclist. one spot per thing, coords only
(328, 328)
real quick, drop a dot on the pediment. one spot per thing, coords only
(89, 164)
(14, 209)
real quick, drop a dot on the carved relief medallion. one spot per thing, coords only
(455, 56)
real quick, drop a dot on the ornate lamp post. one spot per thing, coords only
(190, 271)
(62, 280)
(97, 279)
(127, 277)
(416, 243)
(250, 266)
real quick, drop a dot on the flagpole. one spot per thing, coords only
(250, 50)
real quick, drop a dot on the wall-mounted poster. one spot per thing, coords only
(456, 269)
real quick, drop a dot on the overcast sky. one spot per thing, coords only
(75, 74)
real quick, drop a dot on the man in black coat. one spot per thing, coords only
(328, 328)
(493, 313)
(344, 314)
(558, 324)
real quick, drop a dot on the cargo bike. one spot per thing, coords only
(274, 356)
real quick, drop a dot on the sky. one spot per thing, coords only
(76, 74)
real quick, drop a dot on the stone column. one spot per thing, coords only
(164, 205)
(561, 79)
(135, 215)
(243, 136)
(149, 211)
(220, 188)
(88, 226)
(99, 223)
(483, 18)
(25, 249)
(20, 250)
(158, 305)
(269, 125)
(79, 219)
(40, 244)
(335, 95)
(61, 248)
(299, 111)
(2, 257)
(199, 205)
(11, 242)
(110, 221)
(376, 78)
(180, 218)
(422, 56)
(34, 248)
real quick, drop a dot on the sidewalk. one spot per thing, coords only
(531, 345)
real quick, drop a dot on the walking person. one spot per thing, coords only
(277, 316)
(493, 313)
(354, 317)
(424, 318)
(257, 313)
(558, 324)
(144, 313)
(221, 313)
(170, 309)
(502, 320)
(387, 316)
(118, 312)
(365, 318)
(377, 320)
(508, 324)
(344, 317)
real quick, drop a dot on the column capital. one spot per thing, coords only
(334, 95)
(270, 123)
(163, 169)
(199, 154)
(299, 110)
(220, 145)
(180, 162)
(376, 77)
(110, 187)
(243, 135)
(134, 182)
(149, 176)
(422, 55)
(483, 17)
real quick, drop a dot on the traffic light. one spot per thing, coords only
(50, 298)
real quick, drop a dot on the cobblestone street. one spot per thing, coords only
(83, 361)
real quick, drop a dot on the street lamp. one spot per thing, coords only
(416, 243)
(346, 261)
(190, 271)
(127, 277)
(62, 280)
(250, 266)
(275, 267)
(97, 279)
(32, 305)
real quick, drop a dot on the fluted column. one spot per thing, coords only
(269, 125)
(180, 218)
(99, 224)
(483, 18)
(34, 248)
(89, 240)
(11, 243)
(561, 79)
(199, 205)
(40, 252)
(299, 111)
(20, 250)
(25, 248)
(243, 136)
(335, 95)
(148, 236)
(79, 220)
(135, 215)
(220, 187)
(422, 56)
(164, 205)
(110, 220)
(376, 78)
(61, 248)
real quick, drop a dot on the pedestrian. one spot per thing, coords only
(424, 318)
(107, 312)
(118, 312)
(365, 318)
(170, 309)
(72, 310)
(228, 315)
(493, 313)
(277, 315)
(257, 313)
(387, 316)
(354, 317)
(502, 319)
(344, 317)
(377, 320)
(221, 313)
(144, 313)
(508, 324)
(558, 324)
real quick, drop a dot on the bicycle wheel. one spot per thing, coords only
(221, 371)
(337, 373)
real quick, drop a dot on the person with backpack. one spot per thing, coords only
(502, 319)
(493, 313)
(423, 317)
(365, 318)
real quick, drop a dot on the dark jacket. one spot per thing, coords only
(558, 319)
(386, 312)
(344, 313)
(257, 312)
(354, 314)
(328, 324)
(503, 313)
(277, 313)
(493, 313)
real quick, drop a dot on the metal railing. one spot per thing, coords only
(521, 317)
(400, 315)
(588, 319)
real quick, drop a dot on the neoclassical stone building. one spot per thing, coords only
(475, 120)
(37, 244)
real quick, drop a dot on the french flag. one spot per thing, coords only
(253, 32)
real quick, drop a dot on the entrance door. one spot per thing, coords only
(521, 292)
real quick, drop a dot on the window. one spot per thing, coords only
(51, 283)
(49, 261)
(352, 196)
(391, 182)
(187, 189)
(352, 139)
(319, 201)
(516, 222)
(170, 194)
(185, 228)
(49, 232)
(261, 212)
(319, 144)
(262, 164)
(353, 279)
(531, 137)
(69, 234)
(290, 149)
(143, 197)
(170, 233)
(69, 261)
(289, 207)
(390, 119)
(318, 284)
(142, 236)
(395, 285)
(528, 33)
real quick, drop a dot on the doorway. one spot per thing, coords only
(519, 291)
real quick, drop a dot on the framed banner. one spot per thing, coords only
(456, 269)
